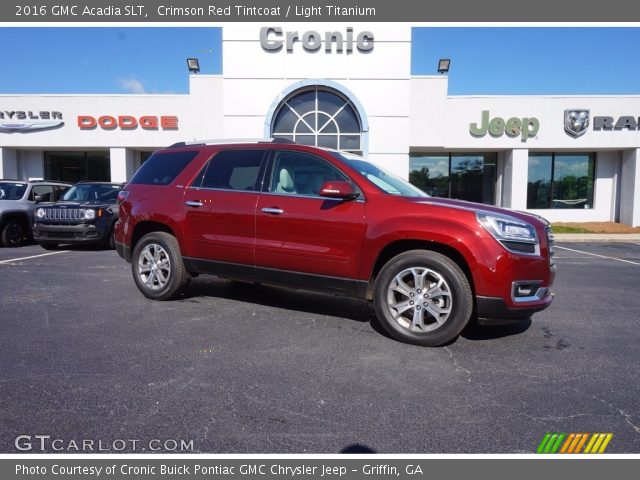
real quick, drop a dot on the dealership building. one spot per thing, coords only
(349, 86)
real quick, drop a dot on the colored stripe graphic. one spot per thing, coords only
(556, 445)
(555, 442)
(543, 443)
(582, 441)
(592, 440)
(607, 439)
(568, 442)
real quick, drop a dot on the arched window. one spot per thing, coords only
(319, 116)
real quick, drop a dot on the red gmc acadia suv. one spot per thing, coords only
(286, 214)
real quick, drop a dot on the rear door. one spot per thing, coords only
(299, 231)
(221, 205)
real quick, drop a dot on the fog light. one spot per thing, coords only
(528, 291)
(525, 290)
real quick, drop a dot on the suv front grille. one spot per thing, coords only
(64, 214)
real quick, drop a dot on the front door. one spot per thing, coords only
(299, 231)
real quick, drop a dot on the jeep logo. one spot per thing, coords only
(524, 127)
(272, 39)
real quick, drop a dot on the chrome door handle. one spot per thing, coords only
(273, 211)
(193, 203)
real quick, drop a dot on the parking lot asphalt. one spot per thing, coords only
(242, 368)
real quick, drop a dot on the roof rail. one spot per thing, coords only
(222, 141)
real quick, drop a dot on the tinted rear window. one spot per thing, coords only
(162, 168)
(233, 170)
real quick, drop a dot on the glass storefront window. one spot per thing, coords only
(473, 178)
(463, 176)
(539, 183)
(75, 166)
(560, 180)
(430, 174)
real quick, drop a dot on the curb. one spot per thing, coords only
(597, 237)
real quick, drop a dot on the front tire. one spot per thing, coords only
(422, 297)
(157, 266)
(12, 233)
(109, 241)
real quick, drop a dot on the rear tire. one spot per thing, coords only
(157, 266)
(12, 233)
(422, 297)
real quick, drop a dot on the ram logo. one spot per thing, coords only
(576, 122)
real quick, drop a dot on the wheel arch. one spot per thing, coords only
(400, 246)
(16, 214)
(148, 226)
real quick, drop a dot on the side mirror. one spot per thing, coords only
(38, 198)
(338, 189)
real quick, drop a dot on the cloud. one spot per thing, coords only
(131, 85)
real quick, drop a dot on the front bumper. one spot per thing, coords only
(123, 251)
(494, 311)
(79, 234)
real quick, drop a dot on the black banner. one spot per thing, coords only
(330, 468)
(317, 11)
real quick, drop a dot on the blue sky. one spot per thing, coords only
(514, 60)
(518, 60)
(104, 60)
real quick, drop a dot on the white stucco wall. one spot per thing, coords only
(198, 116)
(8, 163)
(254, 80)
(428, 111)
(441, 121)
(31, 164)
(630, 187)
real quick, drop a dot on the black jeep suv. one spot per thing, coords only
(85, 215)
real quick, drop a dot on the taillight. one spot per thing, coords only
(122, 196)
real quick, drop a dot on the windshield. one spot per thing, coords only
(386, 181)
(91, 192)
(12, 190)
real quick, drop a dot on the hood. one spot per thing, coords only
(480, 207)
(69, 204)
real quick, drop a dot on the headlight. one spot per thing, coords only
(40, 213)
(89, 214)
(514, 234)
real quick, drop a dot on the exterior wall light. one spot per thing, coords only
(193, 65)
(443, 65)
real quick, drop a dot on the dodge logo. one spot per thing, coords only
(576, 122)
